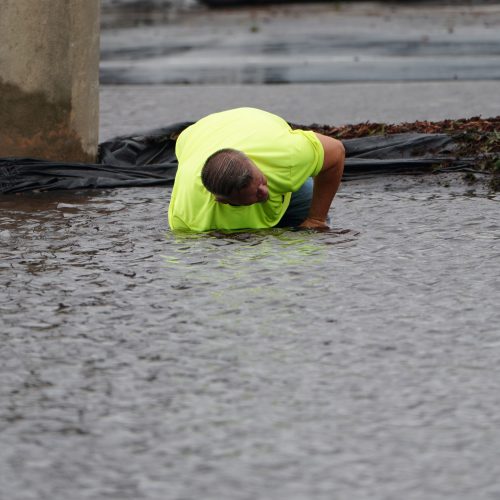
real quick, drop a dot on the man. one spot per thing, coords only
(247, 169)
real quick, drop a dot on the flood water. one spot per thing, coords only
(362, 363)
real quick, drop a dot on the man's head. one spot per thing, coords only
(234, 179)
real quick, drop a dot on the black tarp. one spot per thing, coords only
(148, 159)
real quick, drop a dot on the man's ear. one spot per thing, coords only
(221, 199)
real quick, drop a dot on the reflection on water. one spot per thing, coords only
(242, 274)
(138, 363)
(273, 248)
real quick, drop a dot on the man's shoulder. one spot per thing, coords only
(243, 116)
(237, 128)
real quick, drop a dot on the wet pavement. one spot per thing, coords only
(326, 42)
(127, 108)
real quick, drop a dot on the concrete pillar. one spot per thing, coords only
(49, 79)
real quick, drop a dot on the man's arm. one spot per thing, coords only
(326, 182)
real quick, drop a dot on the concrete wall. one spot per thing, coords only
(49, 79)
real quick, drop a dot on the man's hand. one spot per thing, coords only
(316, 224)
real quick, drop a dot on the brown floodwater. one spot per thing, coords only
(363, 362)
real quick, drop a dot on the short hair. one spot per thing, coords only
(226, 171)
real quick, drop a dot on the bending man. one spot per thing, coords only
(247, 169)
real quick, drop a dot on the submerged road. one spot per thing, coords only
(361, 364)
(356, 364)
(316, 43)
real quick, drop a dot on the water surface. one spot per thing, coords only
(358, 363)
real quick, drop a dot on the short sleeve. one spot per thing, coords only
(307, 157)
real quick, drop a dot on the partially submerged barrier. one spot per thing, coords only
(148, 158)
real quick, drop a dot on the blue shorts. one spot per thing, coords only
(298, 210)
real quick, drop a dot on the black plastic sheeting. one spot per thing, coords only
(148, 159)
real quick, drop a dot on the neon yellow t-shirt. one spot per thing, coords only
(286, 157)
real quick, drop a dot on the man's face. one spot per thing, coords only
(256, 192)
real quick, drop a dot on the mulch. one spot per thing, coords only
(477, 137)
(475, 124)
